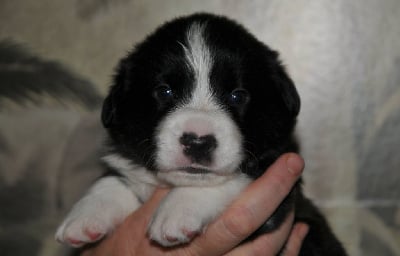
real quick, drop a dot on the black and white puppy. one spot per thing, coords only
(203, 107)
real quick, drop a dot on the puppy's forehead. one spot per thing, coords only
(200, 61)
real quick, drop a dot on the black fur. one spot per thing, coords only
(266, 119)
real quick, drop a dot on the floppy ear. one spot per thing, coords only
(289, 93)
(108, 112)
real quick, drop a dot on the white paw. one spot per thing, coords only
(177, 222)
(106, 205)
(87, 224)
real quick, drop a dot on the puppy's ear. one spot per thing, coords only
(289, 93)
(108, 112)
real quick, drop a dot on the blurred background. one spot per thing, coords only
(56, 63)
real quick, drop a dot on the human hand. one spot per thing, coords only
(224, 235)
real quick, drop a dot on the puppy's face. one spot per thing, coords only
(200, 100)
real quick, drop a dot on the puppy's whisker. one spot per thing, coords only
(143, 141)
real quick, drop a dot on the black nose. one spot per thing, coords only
(198, 149)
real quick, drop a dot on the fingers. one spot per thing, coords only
(266, 245)
(152, 204)
(252, 208)
(266, 193)
(271, 244)
(296, 238)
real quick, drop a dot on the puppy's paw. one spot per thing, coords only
(87, 225)
(174, 226)
(80, 231)
(178, 220)
(106, 205)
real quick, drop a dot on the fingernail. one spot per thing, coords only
(294, 164)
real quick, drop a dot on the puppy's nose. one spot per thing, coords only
(198, 148)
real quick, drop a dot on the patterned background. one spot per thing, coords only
(57, 58)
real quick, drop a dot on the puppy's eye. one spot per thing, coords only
(163, 93)
(238, 97)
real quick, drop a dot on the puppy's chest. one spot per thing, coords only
(141, 182)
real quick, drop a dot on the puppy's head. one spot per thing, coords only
(199, 100)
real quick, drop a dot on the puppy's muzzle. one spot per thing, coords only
(199, 149)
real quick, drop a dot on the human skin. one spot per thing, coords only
(224, 235)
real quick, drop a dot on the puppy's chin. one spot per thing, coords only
(190, 176)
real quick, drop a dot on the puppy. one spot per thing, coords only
(203, 107)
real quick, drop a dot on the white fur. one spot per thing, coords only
(187, 210)
(138, 179)
(106, 205)
(184, 212)
(200, 61)
(170, 157)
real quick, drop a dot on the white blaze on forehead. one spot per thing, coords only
(200, 114)
(200, 62)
